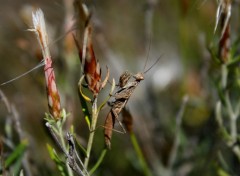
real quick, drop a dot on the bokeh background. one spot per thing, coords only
(125, 34)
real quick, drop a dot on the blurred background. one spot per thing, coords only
(125, 34)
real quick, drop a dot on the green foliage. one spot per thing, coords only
(14, 160)
(206, 142)
(60, 164)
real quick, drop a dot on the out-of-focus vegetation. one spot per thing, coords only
(185, 112)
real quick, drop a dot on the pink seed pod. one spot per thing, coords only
(52, 91)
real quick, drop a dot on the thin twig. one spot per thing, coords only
(233, 115)
(224, 76)
(61, 145)
(49, 126)
(3, 169)
(174, 151)
(21, 135)
(5, 101)
(70, 162)
(150, 6)
(72, 144)
(71, 159)
(15, 116)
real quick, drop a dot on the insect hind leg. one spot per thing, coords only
(120, 123)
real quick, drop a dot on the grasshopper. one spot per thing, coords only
(126, 88)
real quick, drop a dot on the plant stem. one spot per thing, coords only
(70, 173)
(140, 155)
(173, 154)
(92, 132)
(100, 159)
(233, 115)
(224, 76)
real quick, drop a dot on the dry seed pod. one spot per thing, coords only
(92, 69)
(90, 66)
(224, 15)
(224, 45)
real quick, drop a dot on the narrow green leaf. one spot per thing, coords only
(234, 62)
(141, 158)
(60, 164)
(85, 110)
(17, 153)
(80, 147)
(221, 172)
(86, 98)
(16, 168)
(100, 160)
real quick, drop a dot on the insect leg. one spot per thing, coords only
(120, 123)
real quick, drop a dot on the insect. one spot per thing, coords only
(124, 78)
(126, 88)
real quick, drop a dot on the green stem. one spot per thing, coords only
(70, 173)
(224, 76)
(140, 155)
(92, 132)
(232, 115)
(100, 159)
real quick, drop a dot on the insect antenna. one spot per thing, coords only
(149, 47)
(153, 64)
(42, 62)
(24, 74)
(62, 36)
(148, 51)
(58, 38)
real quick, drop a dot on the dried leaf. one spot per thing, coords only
(106, 79)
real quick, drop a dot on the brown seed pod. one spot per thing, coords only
(90, 65)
